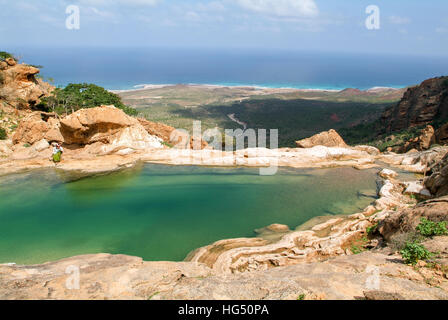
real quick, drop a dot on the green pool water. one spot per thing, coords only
(163, 212)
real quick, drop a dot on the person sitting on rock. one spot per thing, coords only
(57, 152)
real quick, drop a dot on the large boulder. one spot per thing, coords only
(109, 126)
(37, 126)
(106, 128)
(327, 138)
(19, 86)
(437, 182)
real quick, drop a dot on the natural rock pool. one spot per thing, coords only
(163, 212)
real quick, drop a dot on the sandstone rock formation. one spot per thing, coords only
(121, 277)
(437, 183)
(419, 106)
(328, 139)
(103, 130)
(424, 141)
(405, 221)
(442, 134)
(418, 162)
(37, 126)
(19, 86)
(171, 136)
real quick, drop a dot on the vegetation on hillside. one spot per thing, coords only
(78, 96)
(295, 119)
(5, 55)
(3, 134)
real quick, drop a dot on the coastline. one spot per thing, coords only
(142, 87)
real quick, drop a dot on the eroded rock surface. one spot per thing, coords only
(19, 87)
(327, 138)
(419, 106)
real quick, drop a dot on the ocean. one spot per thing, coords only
(126, 68)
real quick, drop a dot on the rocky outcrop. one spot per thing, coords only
(19, 86)
(419, 106)
(437, 182)
(418, 162)
(101, 130)
(171, 136)
(121, 277)
(442, 135)
(328, 239)
(423, 142)
(37, 126)
(405, 221)
(328, 139)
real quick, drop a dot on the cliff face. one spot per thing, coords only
(19, 87)
(419, 106)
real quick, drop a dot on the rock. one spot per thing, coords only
(419, 106)
(170, 135)
(31, 129)
(442, 134)
(417, 189)
(328, 139)
(404, 221)
(5, 148)
(278, 228)
(109, 126)
(423, 142)
(437, 182)
(119, 277)
(369, 149)
(388, 174)
(41, 145)
(19, 86)
(381, 295)
(100, 124)
(10, 61)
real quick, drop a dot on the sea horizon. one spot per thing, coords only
(128, 68)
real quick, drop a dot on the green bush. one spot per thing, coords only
(371, 230)
(5, 55)
(3, 134)
(413, 252)
(429, 228)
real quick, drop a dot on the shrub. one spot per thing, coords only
(371, 230)
(429, 228)
(5, 55)
(3, 134)
(413, 252)
(79, 96)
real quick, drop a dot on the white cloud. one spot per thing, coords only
(399, 20)
(120, 2)
(281, 8)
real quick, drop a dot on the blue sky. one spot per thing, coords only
(407, 26)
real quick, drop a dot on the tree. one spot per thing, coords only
(79, 96)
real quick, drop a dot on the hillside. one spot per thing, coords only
(296, 113)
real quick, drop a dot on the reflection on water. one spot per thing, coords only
(163, 212)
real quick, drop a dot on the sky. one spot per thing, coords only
(406, 26)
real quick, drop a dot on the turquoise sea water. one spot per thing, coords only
(124, 68)
(162, 212)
